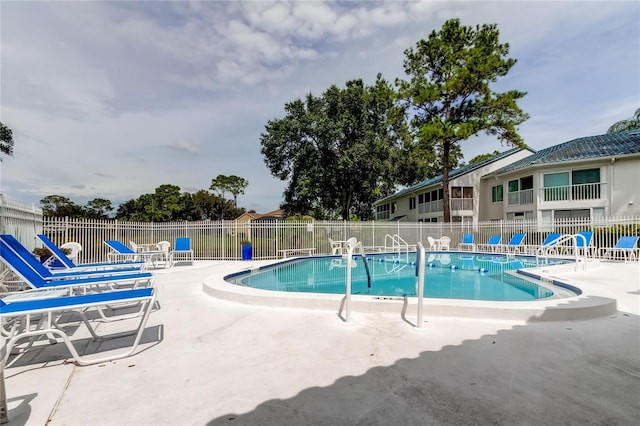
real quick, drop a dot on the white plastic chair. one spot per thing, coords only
(445, 242)
(164, 247)
(75, 248)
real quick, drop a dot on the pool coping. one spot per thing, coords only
(582, 306)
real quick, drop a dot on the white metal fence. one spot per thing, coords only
(21, 220)
(223, 239)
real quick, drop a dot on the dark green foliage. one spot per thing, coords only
(6, 140)
(450, 96)
(340, 152)
(166, 204)
(233, 184)
(481, 157)
(57, 205)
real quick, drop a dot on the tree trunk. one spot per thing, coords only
(446, 147)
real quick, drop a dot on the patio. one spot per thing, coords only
(209, 361)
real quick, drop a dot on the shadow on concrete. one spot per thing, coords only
(20, 414)
(544, 372)
(44, 351)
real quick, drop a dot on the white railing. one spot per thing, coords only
(520, 197)
(430, 207)
(587, 191)
(462, 204)
(219, 240)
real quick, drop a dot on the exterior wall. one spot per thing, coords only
(618, 192)
(489, 210)
(625, 187)
(471, 179)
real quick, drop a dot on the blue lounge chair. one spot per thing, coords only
(492, 244)
(120, 252)
(182, 251)
(625, 247)
(514, 244)
(9, 242)
(547, 246)
(467, 242)
(584, 240)
(68, 263)
(79, 282)
(45, 313)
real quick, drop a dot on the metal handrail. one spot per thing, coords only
(420, 265)
(573, 238)
(351, 244)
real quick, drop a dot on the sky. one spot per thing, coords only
(113, 99)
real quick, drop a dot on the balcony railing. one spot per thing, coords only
(430, 207)
(587, 191)
(462, 204)
(520, 197)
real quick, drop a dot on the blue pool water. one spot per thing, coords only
(447, 275)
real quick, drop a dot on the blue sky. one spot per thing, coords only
(113, 99)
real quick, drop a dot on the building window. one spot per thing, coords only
(461, 192)
(572, 214)
(497, 194)
(520, 191)
(412, 203)
(585, 184)
(577, 185)
(382, 212)
(520, 215)
(461, 198)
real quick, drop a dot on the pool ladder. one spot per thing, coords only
(579, 251)
(352, 245)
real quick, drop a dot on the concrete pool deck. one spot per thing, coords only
(204, 360)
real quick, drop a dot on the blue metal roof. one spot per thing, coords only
(601, 146)
(452, 174)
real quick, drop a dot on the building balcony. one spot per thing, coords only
(587, 191)
(519, 198)
(462, 204)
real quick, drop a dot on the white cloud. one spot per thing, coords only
(112, 99)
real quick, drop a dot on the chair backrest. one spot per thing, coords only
(182, 244)
(517, 239)
(467, 239)
(59, 254)
(118, 247)
(585, 240)
(133, 246)
(164, 246)
(445, 241)
(18, 265)
(27, 257)
(431, 241)
(551, 240)
(494, 239)
(75, 248)
(627, 242)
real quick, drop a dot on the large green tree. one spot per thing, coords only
(98, 208)
(628, 124)
(57, 205)
(167, 204)
(232, 184)
(6, 140)
(450, 95)
(340, 151)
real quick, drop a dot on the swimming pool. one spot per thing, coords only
(471, 276)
